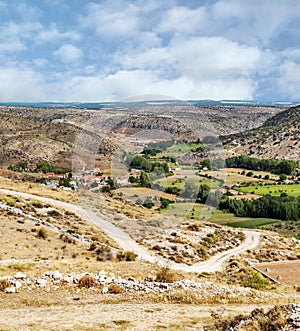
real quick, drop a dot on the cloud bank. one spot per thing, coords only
(109, 50)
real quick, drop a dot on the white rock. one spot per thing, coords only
(104, 290)
(41, 282)
(18, 284)
(56, 275)
(10, 290)
(20, 275)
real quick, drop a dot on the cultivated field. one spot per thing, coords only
(276, 190)
(285, 272)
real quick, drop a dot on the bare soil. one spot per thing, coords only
(285, 272)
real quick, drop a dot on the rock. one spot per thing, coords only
(41, 282)
(56, 275)
(104, 290)
(20, 275)
(11, 289)
(18, 284)
(67, 279)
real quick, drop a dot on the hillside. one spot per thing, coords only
(222, 119)
(24, 139)
(288, 115)
(278, 138)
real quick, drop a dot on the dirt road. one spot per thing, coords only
(216, 263)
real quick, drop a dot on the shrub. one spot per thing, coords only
(115, 289)
(166, 275)
(42, 233)
(4, 283)
(37, 204)
(126, 256)
(87, 281)
(255, 280)
(53, 212)
(93, 246)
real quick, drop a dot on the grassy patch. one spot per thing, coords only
(276, 190)
(252, 223)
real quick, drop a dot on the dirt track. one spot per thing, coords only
(216, 263)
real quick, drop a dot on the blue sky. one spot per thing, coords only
(76, 50)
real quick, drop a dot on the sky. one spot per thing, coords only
(82, 51)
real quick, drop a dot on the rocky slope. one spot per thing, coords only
(31, 140)
(278, 138)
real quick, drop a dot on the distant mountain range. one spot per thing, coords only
(50, 133)
(138, 103)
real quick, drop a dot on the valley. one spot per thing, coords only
(157, 207)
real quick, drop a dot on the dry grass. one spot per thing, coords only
(33, 188)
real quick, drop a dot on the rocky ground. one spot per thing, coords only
(105, 301)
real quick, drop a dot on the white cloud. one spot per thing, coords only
(182, 19)
(12, 35)
(213, 58)
(123, 84)
(289, 81)
(40, 62)
(68, 53)
(200, 64)
(253, 21)
(19, 83)
(54, 35)
(112, 18)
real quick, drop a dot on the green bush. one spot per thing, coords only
(255, 280)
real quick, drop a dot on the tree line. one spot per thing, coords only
(271, 165)
(283, 207)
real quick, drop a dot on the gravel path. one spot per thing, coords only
(216, 263)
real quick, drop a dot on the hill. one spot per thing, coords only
(277, 138)
(292, 113)
(31, 140)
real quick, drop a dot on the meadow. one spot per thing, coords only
(275, 190)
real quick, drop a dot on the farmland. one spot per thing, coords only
(285, 272)
(276, 190)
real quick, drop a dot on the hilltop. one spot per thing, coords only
(277, 138)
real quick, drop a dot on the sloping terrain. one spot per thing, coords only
(278, 138)
(222, 119)
(33, 141)
(30, 140)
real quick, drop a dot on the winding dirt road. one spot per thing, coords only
(216, 263)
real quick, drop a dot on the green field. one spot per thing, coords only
(191, 210)
(205, 213)
(276, 190)
(251, 223)
(166, 182)
(228, 219)
(183, 148)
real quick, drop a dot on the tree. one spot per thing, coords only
(282, 177)
(164, 203)
(148, 203)
(132, 179)
(144, 180)
(190, 191)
